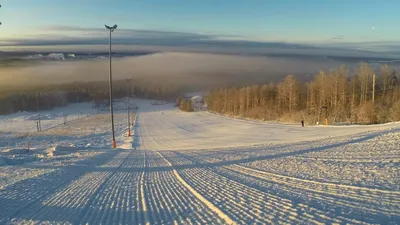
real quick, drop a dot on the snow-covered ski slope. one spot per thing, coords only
(200, 168)
(166, 128)
(26, 121)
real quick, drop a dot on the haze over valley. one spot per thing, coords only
(190, 69)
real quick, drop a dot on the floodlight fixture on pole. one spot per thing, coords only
(111, 28)
(114, 144)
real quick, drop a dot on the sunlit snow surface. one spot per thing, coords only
(195, 168)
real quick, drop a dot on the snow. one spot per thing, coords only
(100, 58)
(199, 94)
(26, 121)
(175, 130)
(56, 56)
(197, 98)
(190, 168)
(51, 56)
(36, 56)
(61, 150)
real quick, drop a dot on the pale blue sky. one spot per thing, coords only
(334, 22)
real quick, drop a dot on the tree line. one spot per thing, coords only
(50, 96)
(184, 104)
(363, 96)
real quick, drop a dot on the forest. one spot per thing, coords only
(363, 96)
(340, 96)
(50, 96)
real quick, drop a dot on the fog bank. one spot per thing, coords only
(197, 70)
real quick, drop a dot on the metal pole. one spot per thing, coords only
(114, 145)
(128, 103)
(93, 111)
(39, 126)
(77, 101)
(133, 119)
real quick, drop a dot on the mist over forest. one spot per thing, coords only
(61, 78)
(190, 70)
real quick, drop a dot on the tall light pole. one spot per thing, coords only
(39, 125)
(114, 144)
(77, 101)
(132, 119)
(128, 106)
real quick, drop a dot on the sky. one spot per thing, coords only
(357, 24)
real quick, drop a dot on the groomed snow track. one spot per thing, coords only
(324, 181)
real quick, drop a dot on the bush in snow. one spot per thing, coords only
(395, 111)
(367, 114)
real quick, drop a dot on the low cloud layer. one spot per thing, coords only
(186, 69)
